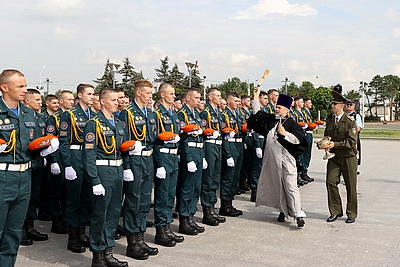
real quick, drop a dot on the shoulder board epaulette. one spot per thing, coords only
(182, 110)
(350, 117)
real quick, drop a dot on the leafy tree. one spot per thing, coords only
(353, 95)
(292, 89)
(321, 98)
(391, 86)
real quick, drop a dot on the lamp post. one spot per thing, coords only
(204, 87)
(190, 66)
(286, 82)
(113, 69)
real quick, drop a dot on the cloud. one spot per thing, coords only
(275, 7)
(59, 8)
(240, 58)
(66, 34)
(396, 32)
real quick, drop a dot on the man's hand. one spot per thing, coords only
(99, 190)
(70, 173)
(281, 130)
(128, 175)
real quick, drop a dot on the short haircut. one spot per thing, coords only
(32, 91)
(298, 98)
(263, 93)
(118, 90)
(212, 90)
(190, 91)
(96, 94)
(270, 91)
(64, 92)
(106, 91)
(164, 86)
(231, 94)
(306, 99)
(6, 74)
(243, 97)
(142, 84)
(82, 86)
(50, 97)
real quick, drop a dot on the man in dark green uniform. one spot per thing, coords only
(166, 166)
(343, 131)
(57, 184)
(141, 125)
(306, 157)
(192, 163)
(33, 100)
(17, 128)
(102, 161)
(232, 156)
(273, 95)
(71, 136)
(212, 119)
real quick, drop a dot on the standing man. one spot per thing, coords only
(33, 100)
(17, 129)
(273, 95)
(141, 125)
(212, 119)
(306, 157)
(351, 111)
(96, 103)
(192, 163)
(343, 131)
(232, 155)
(102, 161)
(278, 179)
(57, 184)
(166, 165)
(52, 105)
(71, 136)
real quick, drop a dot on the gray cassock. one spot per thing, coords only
(277, 186)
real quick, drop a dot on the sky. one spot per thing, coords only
(324, 42)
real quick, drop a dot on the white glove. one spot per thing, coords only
(230, 162)
(176, 140)
(138, 148)
(179, 158)
(205, 164)
(244, 146)
(3, 147)
(54, 143)
(161, 173)
(191, 166)
(230, 135)
(305, 127)
(44, 162)
(70, 173)
(196, 132)
(259, 152)
(200, 131)
(215, 135)
(55, 168)
(99, 190)
(128, 175)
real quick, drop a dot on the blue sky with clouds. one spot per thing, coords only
(336, 41)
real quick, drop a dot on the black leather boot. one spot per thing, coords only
(98, 259)
(227, 209)
(220, 219)
(120, 230)
(162, 238)
(25, 240)
(253, 195)
(307, 178)
(150, 250)
(194, 225)
(33, 233)
(74, 242)
(58, 226)
(134, 250)
(281, 217)
(236, 210)
(185, 227)
(300, 182)
(300, 222)
(177, 238)
(208, 218)
(82, 235)
(111, 261)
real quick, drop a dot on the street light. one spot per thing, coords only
(113, 69)
(190, 66)
(286, 82)
(204, 87)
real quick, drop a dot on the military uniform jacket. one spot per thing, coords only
(166, 122)
(52, 128)
(187, 116)
(72, 127)
(40, 120)
(269, 108)
(102, 141)
(231, 120)
(210, 118)
(140, 126)
(298, 115)
(18, 132)
(344, 134)
(250, 139)
(307, 115)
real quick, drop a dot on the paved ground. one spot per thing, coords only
(257, 239)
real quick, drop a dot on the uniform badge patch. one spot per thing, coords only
(89, 137)
(354, 130)
(31, 132)
(50, 129)
(64, 125)
(182, 125)
(203, 123)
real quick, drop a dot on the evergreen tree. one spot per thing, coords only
(163, 73)
(105, 81)
(129, 75)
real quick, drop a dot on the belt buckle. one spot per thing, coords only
(22, 167)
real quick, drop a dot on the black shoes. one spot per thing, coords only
(162, 238)
(74, 241)
(208, 218)
(83, 237)
(281, 217)
(244, 187)
(193, 224)
(177, 238)
(300, 222)
(134, 250)
(350, 220)
(110, 260)
(253, 195)
(58, 226)
(150, 250)
(98, 259)
(333, 218)
(33, 233)
(220, 219)
(25, 240)
(305, 177)
(185, 227)
(228, 210)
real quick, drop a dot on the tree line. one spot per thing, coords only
(380, 91)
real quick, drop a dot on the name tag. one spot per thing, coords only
(80, 123)
(7, 127)
(109, 132)
(30, 124)
(121, 132)
(140, 122)
(152, 121)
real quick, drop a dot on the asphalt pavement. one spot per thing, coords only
(257, 239)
